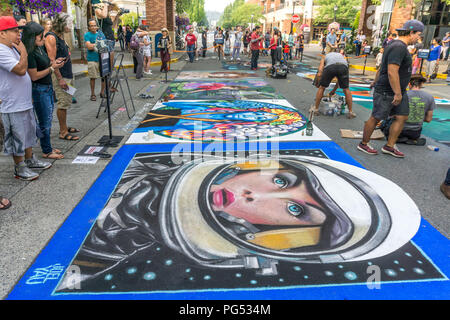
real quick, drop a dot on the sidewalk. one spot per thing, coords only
(314, 51)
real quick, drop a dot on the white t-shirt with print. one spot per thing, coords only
(15, 90)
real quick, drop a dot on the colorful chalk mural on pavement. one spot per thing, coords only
(220, 90)
(243, 65)
(221, 120)
(206, 226)
(230, 199)
(220, 75)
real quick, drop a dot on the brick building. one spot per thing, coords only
(161, 14)
(434, 14)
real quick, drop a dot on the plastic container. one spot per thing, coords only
(433, 148)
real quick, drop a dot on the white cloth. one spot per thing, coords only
(15, 90)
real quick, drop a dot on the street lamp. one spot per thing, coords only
(335, 9)
(252, 22)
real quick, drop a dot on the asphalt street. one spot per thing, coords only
(41, 207)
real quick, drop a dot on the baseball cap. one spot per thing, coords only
(412, 25)
(8, 22)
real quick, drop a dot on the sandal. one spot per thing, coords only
(57, 151)
(93, 97)
(69, 137)
(351, 115)
(72, 130)
(53, 155)
(314, 110)
(4, 206)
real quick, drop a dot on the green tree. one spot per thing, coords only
(346, 10)
(240, 13)
(128, 18)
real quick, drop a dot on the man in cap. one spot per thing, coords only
(391, 80)
(16, 108)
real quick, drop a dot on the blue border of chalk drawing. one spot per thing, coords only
(64, 245)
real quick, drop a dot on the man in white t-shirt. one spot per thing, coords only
(16, 108)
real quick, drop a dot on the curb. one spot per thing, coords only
(359, 67)
(126, 66)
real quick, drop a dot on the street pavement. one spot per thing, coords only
(40, 207)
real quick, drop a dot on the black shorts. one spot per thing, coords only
(335, 70)
(383, 107)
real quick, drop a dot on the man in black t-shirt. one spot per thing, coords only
(391, 80)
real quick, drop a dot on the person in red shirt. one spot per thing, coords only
(275, 41)
(255, 42)
(191, 44)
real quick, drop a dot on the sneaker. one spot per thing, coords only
(196, 59)
(393, 151)
(34, 163)
(366, 148)
(22, 172)
(238, 59)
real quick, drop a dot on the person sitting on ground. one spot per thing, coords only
(92, 58)
(16, 109)
(334, 64)
(421, 106)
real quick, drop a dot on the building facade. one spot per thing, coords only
(392, 14)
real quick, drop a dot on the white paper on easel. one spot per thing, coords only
(70, 90)
(85, 160)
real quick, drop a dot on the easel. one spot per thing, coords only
(117, 79)
(105, 72)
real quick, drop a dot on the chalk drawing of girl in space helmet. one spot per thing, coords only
(254, 214)
(234, 213)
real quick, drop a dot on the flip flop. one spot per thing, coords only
(69, 137)
(73, 130)
(53, 156)
(93, 97)
(4, 206)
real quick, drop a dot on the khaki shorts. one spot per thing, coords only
(93, 70)
(64, 99)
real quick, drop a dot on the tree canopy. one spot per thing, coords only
(240, 13)
(194, 9)
(345, 13)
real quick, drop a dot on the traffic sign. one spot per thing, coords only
(295, 18)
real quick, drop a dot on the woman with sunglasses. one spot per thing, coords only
(40, 69)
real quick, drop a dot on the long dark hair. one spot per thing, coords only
(30, 32)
